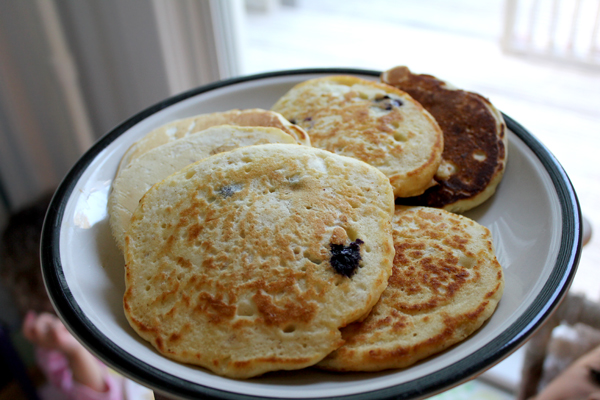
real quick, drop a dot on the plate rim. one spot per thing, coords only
(509, 340)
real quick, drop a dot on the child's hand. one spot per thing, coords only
(46, 330)
(578, 381)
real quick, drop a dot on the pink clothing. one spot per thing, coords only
(56, 368)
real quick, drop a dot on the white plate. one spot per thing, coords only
(534, 218)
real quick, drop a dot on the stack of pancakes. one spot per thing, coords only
(259, 240)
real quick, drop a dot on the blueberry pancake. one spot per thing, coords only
(183, 127)
(445, 283)
(134, 180)
(251, 260)
(475, 142)
(370, 121)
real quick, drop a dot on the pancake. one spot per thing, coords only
(445, 283)
(372, 122)
(141, 173)
(251, 260)
(183, 127)
(475, 142)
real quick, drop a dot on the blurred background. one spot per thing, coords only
(70, 71)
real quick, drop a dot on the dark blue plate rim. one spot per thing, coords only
(513, 337)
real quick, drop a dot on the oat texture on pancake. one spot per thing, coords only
(251, 260)
(182, 127)
(372, 122)
(475, 142)
(445, 283)
(132, 181)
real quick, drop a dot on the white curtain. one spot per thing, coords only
(72, 70)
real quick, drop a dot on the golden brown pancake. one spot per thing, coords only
(445, 283)
(370, 121)
(132, 181)
(180, 128)
(251, 260)
(475, 142)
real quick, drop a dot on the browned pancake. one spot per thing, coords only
(475, 146)
(446, 282)
(250, 260)
(370, 121)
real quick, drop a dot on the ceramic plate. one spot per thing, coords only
(534, 218)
